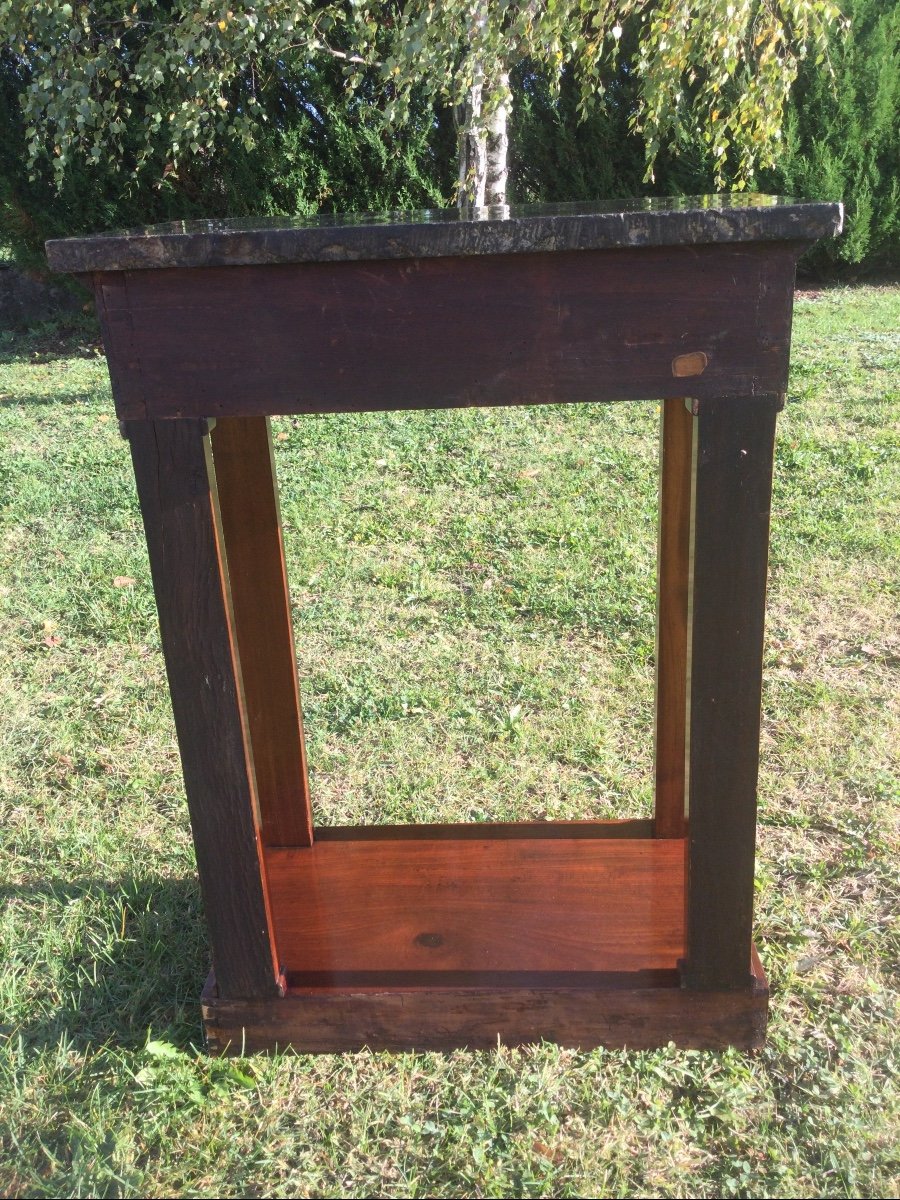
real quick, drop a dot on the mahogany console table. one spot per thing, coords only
(628, 933)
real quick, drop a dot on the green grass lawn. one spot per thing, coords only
(474, 601)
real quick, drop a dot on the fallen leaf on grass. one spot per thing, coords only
(551, 1153)
(123, 581)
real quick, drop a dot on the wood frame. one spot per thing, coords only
(587, 933)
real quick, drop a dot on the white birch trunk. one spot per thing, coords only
(472, 146)
(484, 145)
(497, 148)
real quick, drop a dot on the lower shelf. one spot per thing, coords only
(443, 937)
(413, 900)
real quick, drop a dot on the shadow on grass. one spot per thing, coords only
(139, 964)
(24, 399)
(42, 345)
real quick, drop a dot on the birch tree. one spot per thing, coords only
(716, 70)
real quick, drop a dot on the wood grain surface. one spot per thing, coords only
(251, 528)
(730, 534)
(319, 1020)
(442, 332)
(498, 904)
(431, 940)
(176, 489)
(672, 587)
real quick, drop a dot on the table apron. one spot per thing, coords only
(624, 324)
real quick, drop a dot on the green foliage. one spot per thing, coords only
(559, 156)
(839, 142)
(717, 72)
(107, 80)
(314, 151)
(842, 142)
(312, 147)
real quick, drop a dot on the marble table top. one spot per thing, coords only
(438, 233)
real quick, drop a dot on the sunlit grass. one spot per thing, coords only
(474, 617)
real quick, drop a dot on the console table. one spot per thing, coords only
(614, 933)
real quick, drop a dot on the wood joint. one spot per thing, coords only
(207, 425)
(771, 401)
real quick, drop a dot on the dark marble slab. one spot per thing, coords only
(506, 229)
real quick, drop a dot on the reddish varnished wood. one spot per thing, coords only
(176, 488)
(676, 440)
(498, 904)
(430, 1017)
(251, 525)
(443, 332)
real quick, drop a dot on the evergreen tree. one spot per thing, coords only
(842, 139)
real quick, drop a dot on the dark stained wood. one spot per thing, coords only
(380, 981)
(730, 530)
(111, 299)
(602, 904)
(640, 1017)
(251, 527)
(676, 441)
(441, 332)
(481, 831)
(176, 491)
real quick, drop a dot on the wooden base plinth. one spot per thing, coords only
(435, 938)
(332, 1020)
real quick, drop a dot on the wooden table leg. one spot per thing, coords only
(251, 525)
(176, 488)
(730, 532)
(676, 443)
